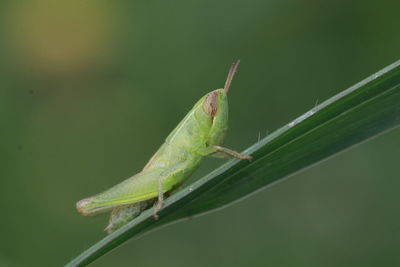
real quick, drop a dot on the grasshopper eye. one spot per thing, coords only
(211, 104)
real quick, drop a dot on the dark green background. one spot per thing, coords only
(89, 90)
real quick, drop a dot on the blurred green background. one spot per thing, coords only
(90, 89)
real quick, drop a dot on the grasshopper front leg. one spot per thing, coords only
(232, 153)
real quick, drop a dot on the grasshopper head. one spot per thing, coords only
(215, 105)
(217, 99)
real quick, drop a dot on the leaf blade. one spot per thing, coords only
(366, 109)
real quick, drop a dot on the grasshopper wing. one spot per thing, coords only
(140, 187)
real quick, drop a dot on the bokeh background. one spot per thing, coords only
(90, 89)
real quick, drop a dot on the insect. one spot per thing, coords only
(199, 134)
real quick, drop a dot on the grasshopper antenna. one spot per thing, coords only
(231, 74)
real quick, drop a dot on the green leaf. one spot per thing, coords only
(367, 109)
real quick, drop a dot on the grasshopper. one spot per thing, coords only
(199, 134)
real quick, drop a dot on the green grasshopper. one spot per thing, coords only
(199, 134)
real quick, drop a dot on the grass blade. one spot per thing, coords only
(363, 111)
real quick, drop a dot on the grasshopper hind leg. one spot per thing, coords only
(122, 215)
